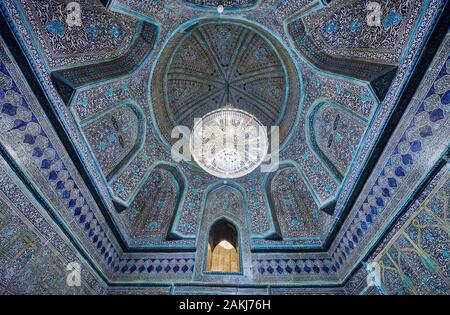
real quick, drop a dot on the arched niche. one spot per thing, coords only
(224, 208)
(152, 212)
(115, 136)
(334, 134)
(223, 248)
(294, 210)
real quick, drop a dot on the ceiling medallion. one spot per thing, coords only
(229, 143)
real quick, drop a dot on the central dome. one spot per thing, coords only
(218, 62)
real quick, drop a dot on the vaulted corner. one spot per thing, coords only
(311, 153)
(353, 40)
(68, 82)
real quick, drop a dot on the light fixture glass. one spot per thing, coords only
(229, 143)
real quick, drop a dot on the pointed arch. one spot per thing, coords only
(223, 201)
(152, 212)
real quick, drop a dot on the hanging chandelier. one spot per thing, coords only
(229, 142)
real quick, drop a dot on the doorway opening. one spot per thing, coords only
(223, 248)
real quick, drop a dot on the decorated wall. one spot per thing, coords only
(87, 176)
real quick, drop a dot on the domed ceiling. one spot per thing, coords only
(224, 64)
(86, 117)
(215, 64)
